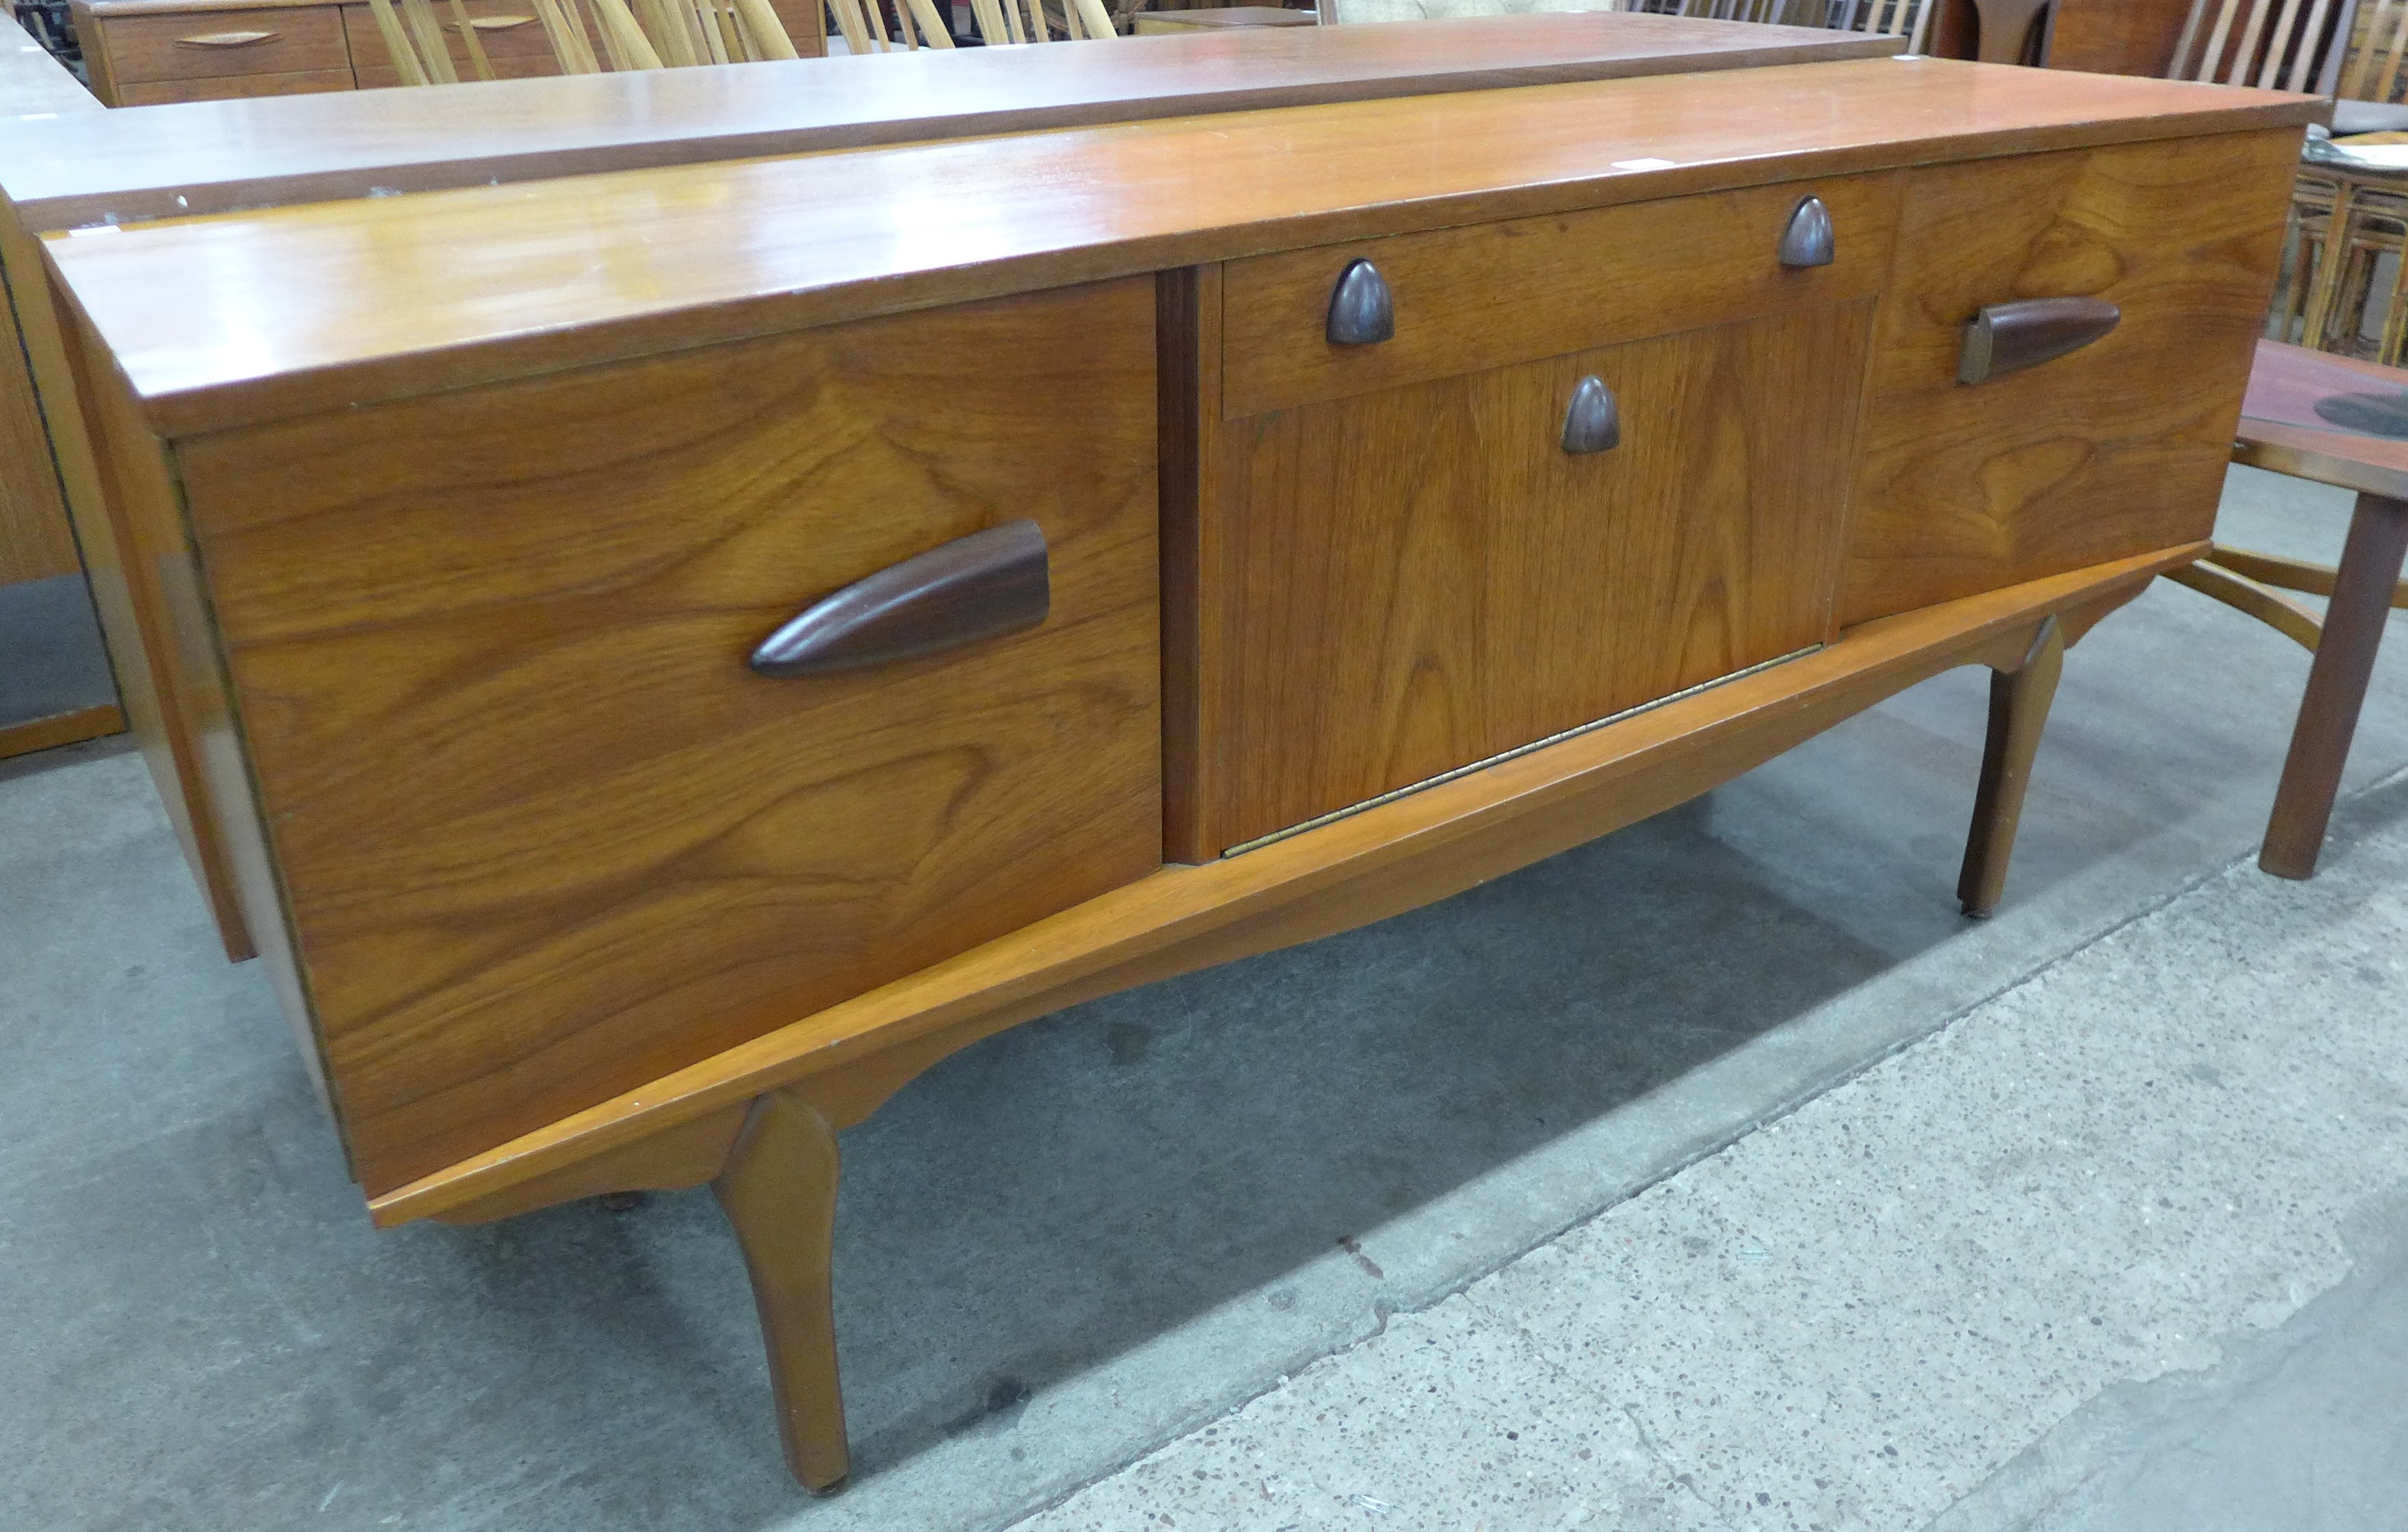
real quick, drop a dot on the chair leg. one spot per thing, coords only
(2362, 591)
(2019, 703)
(779, 1190)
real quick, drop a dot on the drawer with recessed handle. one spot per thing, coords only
(1309, 326)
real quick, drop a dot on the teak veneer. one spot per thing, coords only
(1220, 614)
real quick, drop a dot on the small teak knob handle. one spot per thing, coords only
(1361, 313)
(1808, 241)
(1592, 424)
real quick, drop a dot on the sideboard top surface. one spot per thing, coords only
(240, 319)
(216, 156)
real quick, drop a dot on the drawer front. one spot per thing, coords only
(213, 44)
(384, 75)
(1410, 581)
(160, 93)
(2115, 449)
(543, 834)
(1491, 294)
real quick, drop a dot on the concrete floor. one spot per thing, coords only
(1519, 1251)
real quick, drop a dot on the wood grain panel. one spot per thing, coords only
(544, 834)
(1421, 579)
(1401, 854)
(2116, 449)
(205, 46)
(1488, 294)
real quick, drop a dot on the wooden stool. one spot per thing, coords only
(2339, 421)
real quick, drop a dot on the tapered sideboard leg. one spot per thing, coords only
(2019, 703)
(779, 1190)
(2361, 599)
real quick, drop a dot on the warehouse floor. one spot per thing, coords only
(1714, 1175)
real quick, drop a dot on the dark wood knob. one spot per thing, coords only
(1809, 240)
(1361, 313)
(1594, 422)
(981, 586)
(2010, 337)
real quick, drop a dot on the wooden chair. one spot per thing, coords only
(1909, 19)
(2290, 423)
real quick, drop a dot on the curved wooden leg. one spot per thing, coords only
(2361, 598)
(2019, 703)
(779, 1190)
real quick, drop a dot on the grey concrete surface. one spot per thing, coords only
(2136, 1164)
(50, 656)
(1070, 1244)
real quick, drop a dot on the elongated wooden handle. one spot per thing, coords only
(492, 24)
(228, 39)
(2010, 337)
(981, 586)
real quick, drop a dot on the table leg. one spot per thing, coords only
(2019, 703)
(779, 1190)
(2361, 599)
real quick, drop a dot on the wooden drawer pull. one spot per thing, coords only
(228, 39)
(1809, 240)
(1593, 423)
(1360, 310)
(981, 586)
(492, 24)
(2010, 337)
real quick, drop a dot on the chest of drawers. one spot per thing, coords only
(788, 620)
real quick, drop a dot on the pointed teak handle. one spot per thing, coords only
(2010, 337)
(981, 586)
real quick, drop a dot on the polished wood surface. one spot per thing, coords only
(1488, 295)
(1418, 579)
(606, 848)
(2346, 459)
(1388, 859)
(2353, 631)
(208, 158)
(2020, 696)
(2097, 455)
(327, 307)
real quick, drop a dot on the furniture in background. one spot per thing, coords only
(1157, 23)
(2337, 421)
(641, 34)
(55, 687)
(806, 711)
(143, 52)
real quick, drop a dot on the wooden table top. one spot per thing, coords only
(1219, 17)
(245, 318)
(2316, 416)
(159, 161)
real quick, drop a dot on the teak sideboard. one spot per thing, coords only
(784, 621)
